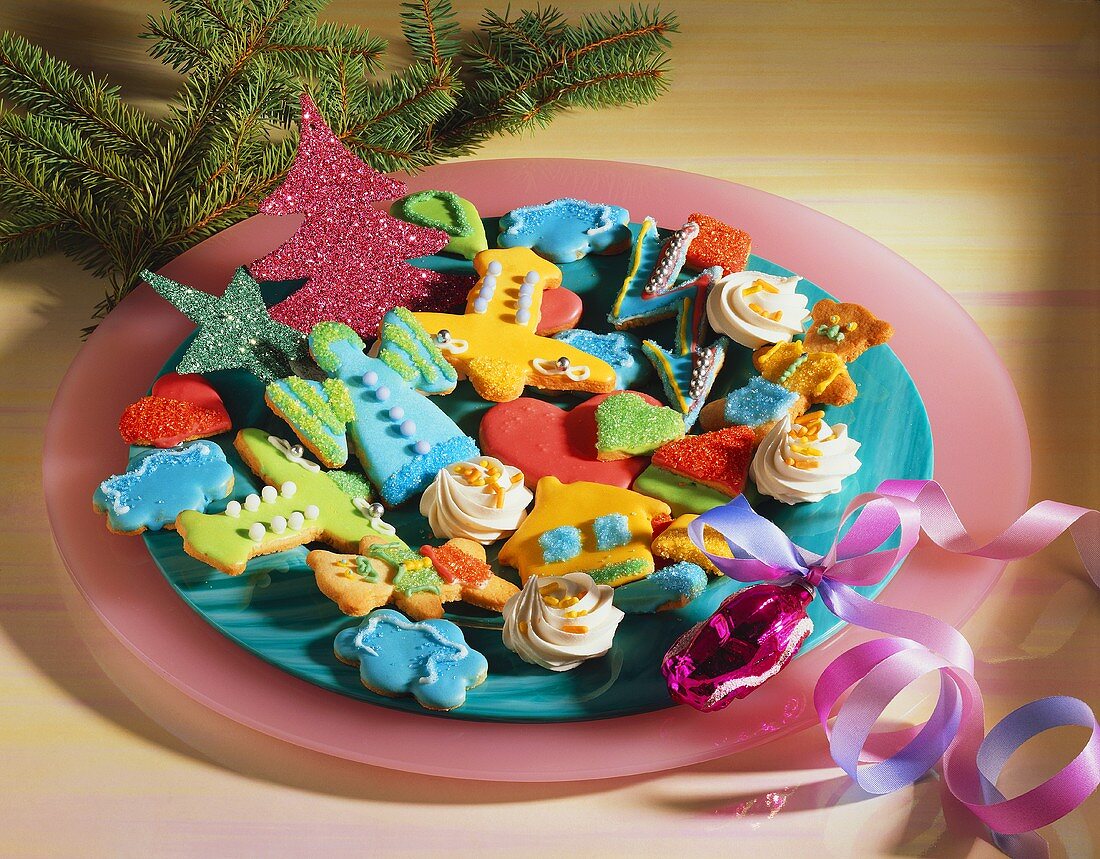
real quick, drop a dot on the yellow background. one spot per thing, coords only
(963, 135)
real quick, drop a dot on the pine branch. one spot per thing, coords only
(431, 31)
(27, 234)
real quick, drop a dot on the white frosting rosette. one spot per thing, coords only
(558, 622)
(481, 499)
(756, 309)
(804, 460)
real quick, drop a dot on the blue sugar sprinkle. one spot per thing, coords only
(415, 476)
(682, 581)
(621, 350)
(611, 530)
(758, 402)
(560, 544)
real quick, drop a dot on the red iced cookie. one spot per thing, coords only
(717, 459)
(541, 440)
(561, 310)
(718, 244)
(181, 408)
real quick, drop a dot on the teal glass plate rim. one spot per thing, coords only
(275, 612)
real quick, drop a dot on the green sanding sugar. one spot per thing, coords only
(353, 484)
(611, 574)
(625, 423)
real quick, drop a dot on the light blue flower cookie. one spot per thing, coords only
(428, 659)
(621, 350)
(667, 588)
(566, 230)
(161, 484)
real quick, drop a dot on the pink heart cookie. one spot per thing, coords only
(542, 440)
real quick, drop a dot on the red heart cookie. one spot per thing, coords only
(541, 440)
(717, 459)
(561, 310)
(181, 408)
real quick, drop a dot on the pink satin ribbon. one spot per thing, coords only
(877, 671)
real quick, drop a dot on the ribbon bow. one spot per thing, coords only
(877, 671)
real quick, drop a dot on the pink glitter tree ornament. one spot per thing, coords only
(353, 254)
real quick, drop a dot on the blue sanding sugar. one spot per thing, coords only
(419, 471)
(560, 544)
(611, 530)
(758, 402)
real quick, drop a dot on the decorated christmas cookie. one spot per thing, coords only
(669, 588)
(718, 460)
(847, 329)
(179, 409)
(804, 459)
(444, 210)
(298, 504)
(674, 544)
(626, 426)
(755, 309)
(717, 244)
(400, 437)
(542, 440)
(427, 659)
(353, 255)
(681, 494)
(566, 230)
(585, 527)
(560, 622)
(385, 571)
(494, 343)
(160, 484)
(650, 292)
(481, 499)
(621, 350)
(234, 329)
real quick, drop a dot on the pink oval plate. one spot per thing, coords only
(952, 363)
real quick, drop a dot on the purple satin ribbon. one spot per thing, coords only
(877, 671)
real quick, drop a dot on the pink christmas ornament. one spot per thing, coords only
(750, 638)
(353, 254)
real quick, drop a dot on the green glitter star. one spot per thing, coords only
(234, 330)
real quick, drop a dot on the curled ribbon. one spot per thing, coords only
(877, 671)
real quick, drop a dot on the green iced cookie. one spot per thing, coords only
(626, 425)
(442, 210)
(680, 493)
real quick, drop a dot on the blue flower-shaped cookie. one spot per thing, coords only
(428, 659)
(621, 350)
(566, 230)
(161, 484)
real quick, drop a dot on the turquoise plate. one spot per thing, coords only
(275, 611)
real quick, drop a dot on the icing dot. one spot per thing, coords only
(487, 291)
(233, 509)
(370, 378)
(524, 302)
(489, 282)
(396, 413)
(408, 428)
(296, 520)
(523, 316)
(278, 524)
(422, 447)
(269, 494)
(526, 289)
(252, 502)
(480, 305)
(382, 394)
(312, 511)
(495, 267)
(256, 531)
(288, 489)
(531, 277)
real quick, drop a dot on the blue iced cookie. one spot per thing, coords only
(566, 230)
(621, 350)
(161, 484)
(428, 659)
(668, 588)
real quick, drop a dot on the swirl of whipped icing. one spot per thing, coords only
(756, 309)
(558, 622)
(480, 499)
(804, 460)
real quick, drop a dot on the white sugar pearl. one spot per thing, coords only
(312, 511)
(269, 494)
(296, 521)
(233, 509)
(495, 267)
(252, 503)
(531, 277)
(278, 524)
(256, 531)
(288, 489)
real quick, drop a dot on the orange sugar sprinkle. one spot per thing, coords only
(517, 478)
(810, 417)
(523, 626)
(546, 590)
(581, 612)
(553, 602)
(576, 630)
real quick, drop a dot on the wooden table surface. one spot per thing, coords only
(960, 133)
